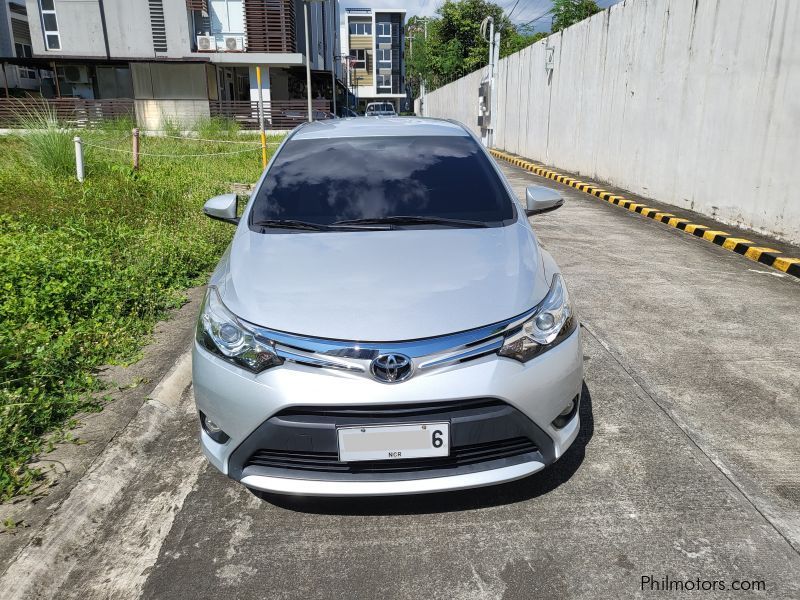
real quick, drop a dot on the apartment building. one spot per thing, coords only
(185, 59)
(15, 42)
(373, 41)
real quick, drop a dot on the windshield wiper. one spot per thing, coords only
(290, 224)
(308, 226)
(412, 220)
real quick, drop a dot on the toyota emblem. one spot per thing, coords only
(392, 368)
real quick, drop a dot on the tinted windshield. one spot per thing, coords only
(328, 180)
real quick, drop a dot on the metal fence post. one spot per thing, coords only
(261, 119)
(136, 148)
(79, 158)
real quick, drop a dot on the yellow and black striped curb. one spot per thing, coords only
(761, 254)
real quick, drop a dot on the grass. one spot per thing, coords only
(217, 128)
(50, 147)
(88, 269)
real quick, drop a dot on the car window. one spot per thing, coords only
(327, 180)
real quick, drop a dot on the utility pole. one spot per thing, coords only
(308, 61)
(422, 79)
(494, 55)
(334, 54)
(493, 97)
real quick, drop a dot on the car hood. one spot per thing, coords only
(382, 285)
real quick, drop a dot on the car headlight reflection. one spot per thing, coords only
(220, 332)
(553, 321)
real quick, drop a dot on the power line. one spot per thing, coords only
(531, 7)
(541, 16)
(513, 8)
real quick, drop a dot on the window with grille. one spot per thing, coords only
(384, 57)
(52, 39)
(383, 29)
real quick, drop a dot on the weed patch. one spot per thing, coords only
(88, 269)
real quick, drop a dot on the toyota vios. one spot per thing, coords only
(384, 320)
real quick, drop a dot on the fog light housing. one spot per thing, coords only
(569, 412)
(213, 430)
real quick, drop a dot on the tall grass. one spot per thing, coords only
(87, 269)
(217, 128)
(49, 145)
(172, 126)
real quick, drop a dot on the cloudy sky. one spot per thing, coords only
(521, 12)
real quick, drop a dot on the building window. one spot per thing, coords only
(23, 50)
(384, 29)
(385, 55)
(26, 73)
(360, 28)
(385, 81)
(52, 40)
(358, 59)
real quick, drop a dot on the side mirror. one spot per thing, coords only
(223, 208)
(540, 200)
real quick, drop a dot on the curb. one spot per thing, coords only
(742, 246)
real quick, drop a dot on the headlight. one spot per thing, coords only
(220, 332)
(553, 321)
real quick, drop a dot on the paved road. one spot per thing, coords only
(688, 465)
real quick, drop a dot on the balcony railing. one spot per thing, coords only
(72, 112)
(278, 114)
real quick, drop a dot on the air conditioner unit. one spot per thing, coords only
(234, 44)
(206, 43)
(76, 74)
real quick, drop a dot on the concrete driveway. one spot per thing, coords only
(687, 468)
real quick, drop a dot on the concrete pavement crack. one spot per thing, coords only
(642, 385)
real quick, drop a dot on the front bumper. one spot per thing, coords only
(519, 400)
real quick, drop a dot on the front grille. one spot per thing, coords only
(329, 461)
(392, 411)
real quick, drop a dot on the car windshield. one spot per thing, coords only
(326, 181)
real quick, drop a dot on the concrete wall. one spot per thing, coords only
(128, 23)
(78, 24)
(172, 92)
(691, 102)
(6, 47)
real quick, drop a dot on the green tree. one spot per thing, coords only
(569, 12)
(453, 46)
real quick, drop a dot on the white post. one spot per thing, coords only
(491, 49)
(79, 158)
(308, 62)
(495, 49)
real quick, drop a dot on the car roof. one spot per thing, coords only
(378, 127)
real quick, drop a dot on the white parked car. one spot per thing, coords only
(380, 109)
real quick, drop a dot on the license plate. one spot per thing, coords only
(392, 442)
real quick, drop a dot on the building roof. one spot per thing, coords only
(379, 127)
